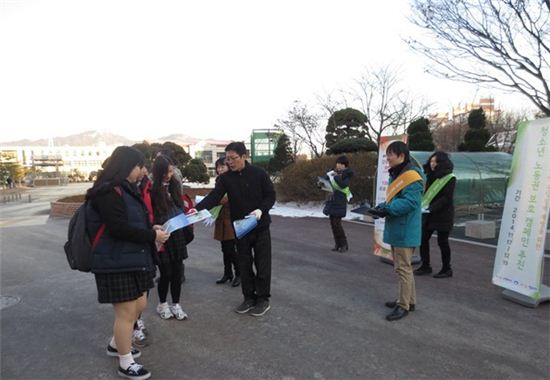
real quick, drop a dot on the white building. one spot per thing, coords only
(68, 159)
(209, 151)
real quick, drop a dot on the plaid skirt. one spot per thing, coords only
(123, 287)
(175, 249)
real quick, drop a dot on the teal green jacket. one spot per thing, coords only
(403, 227)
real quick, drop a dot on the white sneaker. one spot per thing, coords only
(178, 312)
(164, 311)
(139, 339)
(141, 326)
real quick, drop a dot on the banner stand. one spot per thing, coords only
(527, 301)
(524, 300)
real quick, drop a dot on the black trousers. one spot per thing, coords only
(255, 285)
(442, 241)
(230, 258)
(170, 277)
(340, 239)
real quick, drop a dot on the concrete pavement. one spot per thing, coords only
(327, 318)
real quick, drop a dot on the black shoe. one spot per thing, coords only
(343, 248)
(236, 281)
(224, 279)
(335, 249)
(135, 371)
(444, 273)
(245, 306)
(422, 270)
(111, 351)
(393, 304)
(397, 313)
(261, 308)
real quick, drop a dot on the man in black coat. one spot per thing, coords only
(250, 193)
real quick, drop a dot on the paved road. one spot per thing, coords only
(327, 320)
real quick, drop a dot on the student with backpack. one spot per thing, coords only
(166, 197)
(123, 254)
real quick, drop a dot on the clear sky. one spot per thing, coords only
(210, 68)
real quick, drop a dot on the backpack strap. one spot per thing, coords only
(101, 229)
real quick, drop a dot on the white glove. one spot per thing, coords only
(425, 210)
(332, 173)
(256, 213)
(209, 221)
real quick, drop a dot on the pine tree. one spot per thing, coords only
(345, 124)
(420, 137)
(196, 171)
(477, 135)
(282, 155)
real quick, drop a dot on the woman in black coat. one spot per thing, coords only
(122, 260)
(337, 204)
(439, 214)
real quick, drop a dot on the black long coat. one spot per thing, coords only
(442, 210)
(337, 203)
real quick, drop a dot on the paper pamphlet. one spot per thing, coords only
(183, 220)
(324, 184)
(244, 226)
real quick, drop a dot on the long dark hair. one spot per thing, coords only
(116, 169)
(444, 165)
(159, 195)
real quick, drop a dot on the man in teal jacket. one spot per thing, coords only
(402, 229)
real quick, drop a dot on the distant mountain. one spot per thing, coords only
(93, 138)
(178, 138)
(88, 138)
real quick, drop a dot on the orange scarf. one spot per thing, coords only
(402, 181)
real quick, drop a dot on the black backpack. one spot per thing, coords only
(79, 246)
(84, 223)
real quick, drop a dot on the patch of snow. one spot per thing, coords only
(308, 209)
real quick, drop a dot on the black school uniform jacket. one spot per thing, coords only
(247, 190)
(127, 244)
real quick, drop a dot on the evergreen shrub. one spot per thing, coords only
(298, 182)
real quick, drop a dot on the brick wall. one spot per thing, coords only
(67, 209)
(63, 209)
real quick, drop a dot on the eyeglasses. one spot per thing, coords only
(230, 159)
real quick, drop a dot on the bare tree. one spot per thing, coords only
(503, 130)
(448, 137)
(303, 128)
(387, 105)
(489, 42)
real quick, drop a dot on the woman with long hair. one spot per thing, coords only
(437, 212)
(166, 197)
(123, 253)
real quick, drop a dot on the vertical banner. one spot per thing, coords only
(518, 262)
(382, 179)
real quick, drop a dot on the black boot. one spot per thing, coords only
(236, 281)
(225, 278)
(422, 270)
(443, 273)
(343, 248)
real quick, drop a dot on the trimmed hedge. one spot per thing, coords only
(298, 182)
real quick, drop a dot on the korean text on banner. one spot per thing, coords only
(518, 262)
